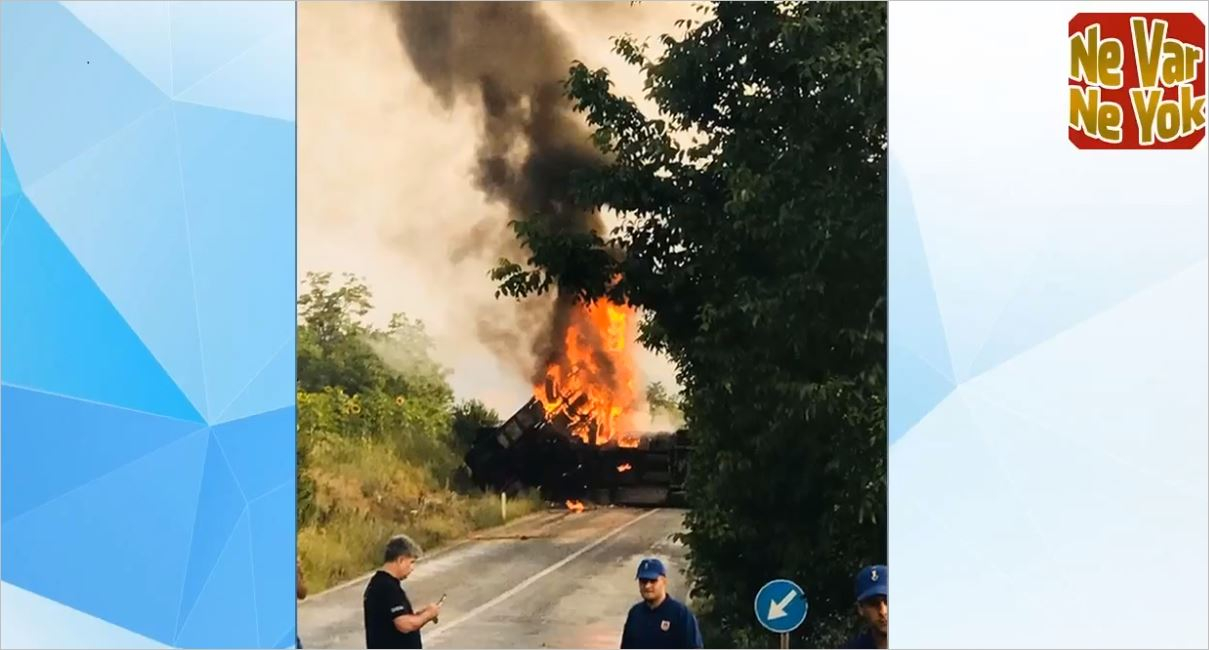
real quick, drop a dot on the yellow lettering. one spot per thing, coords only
(1145, 105)
(1096, 62)
(1192, 61)
(1180, 62)
(1173, 63)
(1098, 119)
(1146, 48)
(1082, 113)
(1167, 121)
(1192, 111)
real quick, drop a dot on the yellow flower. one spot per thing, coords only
(399, 400)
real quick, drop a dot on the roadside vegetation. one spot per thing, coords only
(380, 439)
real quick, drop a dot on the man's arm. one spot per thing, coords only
(693, 631)
(627, 637)
(406, 623)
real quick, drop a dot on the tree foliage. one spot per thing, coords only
(356, 381)
(380, 437)
(661, 402)
(468, 418)
(753, 237)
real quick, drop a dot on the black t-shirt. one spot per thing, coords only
(670, 625)
(384, 601)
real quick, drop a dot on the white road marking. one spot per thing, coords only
(442, 629)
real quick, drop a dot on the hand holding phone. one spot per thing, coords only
(437, 619)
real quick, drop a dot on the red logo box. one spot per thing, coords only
(1137, 81)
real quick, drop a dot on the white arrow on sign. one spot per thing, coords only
(777, 610)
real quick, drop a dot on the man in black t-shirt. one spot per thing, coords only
(390, 620)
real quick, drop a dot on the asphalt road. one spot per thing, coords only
(555, 580)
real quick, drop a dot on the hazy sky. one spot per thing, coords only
(384, 183)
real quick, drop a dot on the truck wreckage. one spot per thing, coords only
(556, 446)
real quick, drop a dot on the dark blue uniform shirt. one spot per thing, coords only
(670, 625)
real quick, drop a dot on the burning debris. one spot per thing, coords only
(575, 506)
(582, 393)
(592, 383)
(538, 448)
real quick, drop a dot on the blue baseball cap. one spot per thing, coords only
(650, 569)
(872, 581)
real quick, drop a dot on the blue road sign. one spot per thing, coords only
(781, 606)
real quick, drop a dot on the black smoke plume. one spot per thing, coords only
(510, 59)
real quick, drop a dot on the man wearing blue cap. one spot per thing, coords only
(659, 621)
(872, 596)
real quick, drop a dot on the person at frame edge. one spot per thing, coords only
(872, 606)
(659, 621)
(390, 621)
(300, 593)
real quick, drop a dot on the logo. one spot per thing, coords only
(665, 625)
(1137, 81)
(873, 575)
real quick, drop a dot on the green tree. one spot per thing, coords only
(333, 347)
(338, 349)
(757, 248)
(660, 401)
(304, 485)
(358, 381)
(468, 418)
(405, 349)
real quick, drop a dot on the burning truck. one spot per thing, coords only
(572, 439)
(560, 452)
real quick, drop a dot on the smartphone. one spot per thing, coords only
(437, 619)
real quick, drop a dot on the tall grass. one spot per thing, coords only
(364, 492)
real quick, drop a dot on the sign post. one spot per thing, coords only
(781, 607)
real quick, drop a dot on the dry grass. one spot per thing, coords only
(365, 493)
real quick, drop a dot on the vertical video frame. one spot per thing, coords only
(592, 325)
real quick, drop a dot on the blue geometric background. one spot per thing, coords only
(1048, 350)
(147, 315)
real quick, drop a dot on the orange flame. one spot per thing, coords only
(625, 467)
(593, 385)
(575, 506)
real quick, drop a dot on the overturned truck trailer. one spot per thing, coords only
(536, 449)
